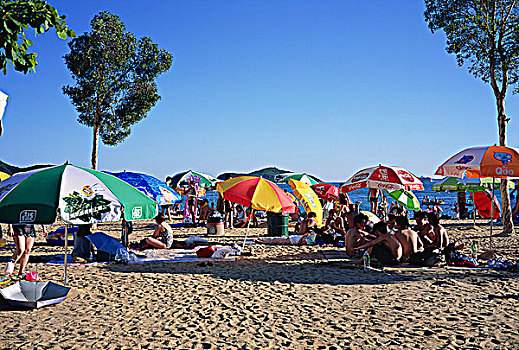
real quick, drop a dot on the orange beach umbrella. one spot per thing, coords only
(256, 193)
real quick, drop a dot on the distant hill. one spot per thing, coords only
(266, 173)
(12, 169)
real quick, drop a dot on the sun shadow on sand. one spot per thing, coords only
(298, 268)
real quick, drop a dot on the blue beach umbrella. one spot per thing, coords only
(152, 187)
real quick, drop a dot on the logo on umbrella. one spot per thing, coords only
(86, 209)
(87, 191)
(136, 212)
(503, 157)
(359, 177)
(405, 175)
(28, 216)
(465, 160)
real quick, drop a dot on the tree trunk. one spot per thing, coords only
(506, 210)
(95, 147)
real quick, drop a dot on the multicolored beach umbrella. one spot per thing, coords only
(181, 179)
(308, 198)
(78, 195)
(257, 193)
(488, 161)
(406, 198)
(389, 178)
(152, 187)
(303, 177)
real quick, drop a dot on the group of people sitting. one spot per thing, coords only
(391, 242)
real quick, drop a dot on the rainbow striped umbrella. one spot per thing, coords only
(256, 193)
(406, 198)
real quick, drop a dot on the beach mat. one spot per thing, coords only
(336, 255)
(158, 256)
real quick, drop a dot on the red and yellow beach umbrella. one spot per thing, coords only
(256, 193)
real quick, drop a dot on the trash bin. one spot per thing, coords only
(277, 224)
(215, 225)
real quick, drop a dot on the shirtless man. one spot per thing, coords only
(348, 216)
(386, 248)
(356, 235)
(411, 243)
(441, 238)
(308, 223)
(373, 194)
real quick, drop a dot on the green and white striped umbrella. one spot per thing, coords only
(78, 195)
(303, 177)
(406, 198)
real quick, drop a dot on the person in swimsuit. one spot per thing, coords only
(23, 236)
(162, 237)
(441, 238)
(357, 235)
(373, 194)
(411, 243)
(386, 248)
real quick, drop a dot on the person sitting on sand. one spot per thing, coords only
(240, 220)
(411, 243)
(385, 248)
(421, 221)
(162, 237)
(308, 224)
(251, 216)
(391, 222)
(348, 216)
(357, 235)
(441, 238)
(306, 234)
(205, 211)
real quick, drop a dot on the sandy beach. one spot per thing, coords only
(279, 297)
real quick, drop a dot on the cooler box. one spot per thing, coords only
(277, 224)
(215, 225)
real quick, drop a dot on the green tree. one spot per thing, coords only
(17, 16)
(484, 35)
(114, 76)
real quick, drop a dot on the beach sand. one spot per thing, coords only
(280, 297)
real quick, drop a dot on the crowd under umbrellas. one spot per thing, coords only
(76, 195)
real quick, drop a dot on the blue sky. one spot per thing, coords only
(325, 87)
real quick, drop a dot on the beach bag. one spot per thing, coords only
(461, 260)
(206, 252)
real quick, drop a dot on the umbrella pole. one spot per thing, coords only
(246, 234)
(492, 213)
(473, 209)
(66, 252)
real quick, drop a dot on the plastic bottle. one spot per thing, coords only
(474, 250)
(367, 261)
(121, 255)
(9, 267)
